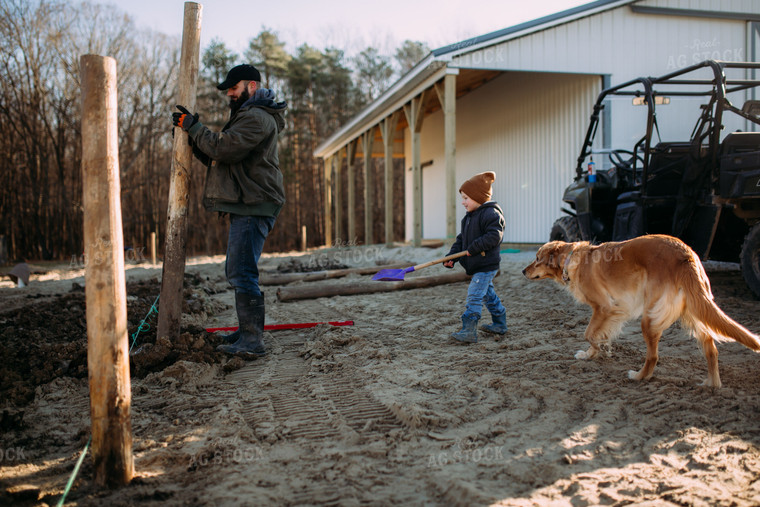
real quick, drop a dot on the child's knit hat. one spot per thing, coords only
(478, 188)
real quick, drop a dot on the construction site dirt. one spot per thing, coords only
(389, 410)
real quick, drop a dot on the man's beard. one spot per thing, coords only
(236, 103)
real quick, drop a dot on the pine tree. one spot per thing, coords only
(267, 53)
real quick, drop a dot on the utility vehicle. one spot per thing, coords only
(702, 187)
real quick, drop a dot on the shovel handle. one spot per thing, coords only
(444, 259)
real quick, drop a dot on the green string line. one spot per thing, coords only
(144, 326)
(74, 474)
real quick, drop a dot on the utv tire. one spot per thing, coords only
(750, 259)
(565, 229)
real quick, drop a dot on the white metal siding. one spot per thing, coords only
(619, 42)
(528, 129)
(528, 124)
(736, 6)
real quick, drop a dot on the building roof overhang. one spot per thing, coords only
(438, 63)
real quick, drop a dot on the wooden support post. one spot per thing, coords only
(388, 129)
(170, 308)
(337, 166)
(447, 96)
(303, 238)
(328, 199)
(153, 253)
(105, 292)
(414, 117)
(351, 174)
(369, 188)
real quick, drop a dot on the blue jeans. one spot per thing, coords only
(244, 246)
(481, 291)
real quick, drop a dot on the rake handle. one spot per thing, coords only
(444, 259)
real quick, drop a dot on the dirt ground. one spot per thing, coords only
(387, 411)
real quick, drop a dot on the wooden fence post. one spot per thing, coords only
(105, 285)
(153, 254)
(173, 272)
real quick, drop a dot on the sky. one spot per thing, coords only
(350, 25)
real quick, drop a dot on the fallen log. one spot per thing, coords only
(310, 276)
(329, 289)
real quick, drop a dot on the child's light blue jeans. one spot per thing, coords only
(481, 291)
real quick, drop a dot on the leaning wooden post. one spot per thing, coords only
(105, 293)
(173, 271)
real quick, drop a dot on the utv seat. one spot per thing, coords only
(740, 165)
(666, 169)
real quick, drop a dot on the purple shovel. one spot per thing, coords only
(397, 275)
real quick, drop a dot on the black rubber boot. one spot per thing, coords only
(469, 331)
(250, 311)
(232, 337)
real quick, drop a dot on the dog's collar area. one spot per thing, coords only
(565, 274)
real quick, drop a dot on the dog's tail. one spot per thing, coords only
(703, 316)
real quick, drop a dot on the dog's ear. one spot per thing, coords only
(554, 251)
(563, 251)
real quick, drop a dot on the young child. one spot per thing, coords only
(482, 231)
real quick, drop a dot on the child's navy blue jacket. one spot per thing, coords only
(482, 231)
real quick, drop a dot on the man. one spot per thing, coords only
(243, 180)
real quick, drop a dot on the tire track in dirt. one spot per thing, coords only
(298, 402)
(293, 402)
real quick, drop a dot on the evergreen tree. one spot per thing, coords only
(267, 53)
(410, 54)
(217, 60)
(373, 72)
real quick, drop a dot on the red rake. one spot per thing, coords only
(397, 275)
(280, 327)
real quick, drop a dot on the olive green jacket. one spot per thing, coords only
(243, 175)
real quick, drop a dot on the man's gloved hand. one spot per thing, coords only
(184, 118)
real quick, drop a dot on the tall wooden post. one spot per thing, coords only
(369, 187)
(338, 197)
(414, 117)
(153, 253)
(389, 131)
(351, 174)
(328, 199)
(448, 98)
(173, 272)
(105, 293)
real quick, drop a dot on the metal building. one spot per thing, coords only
(517, 102)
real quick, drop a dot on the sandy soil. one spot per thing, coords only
(387, 411)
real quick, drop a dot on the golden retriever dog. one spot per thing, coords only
(656, 277)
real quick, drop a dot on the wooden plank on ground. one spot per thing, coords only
(310, 276)
(328, 289)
